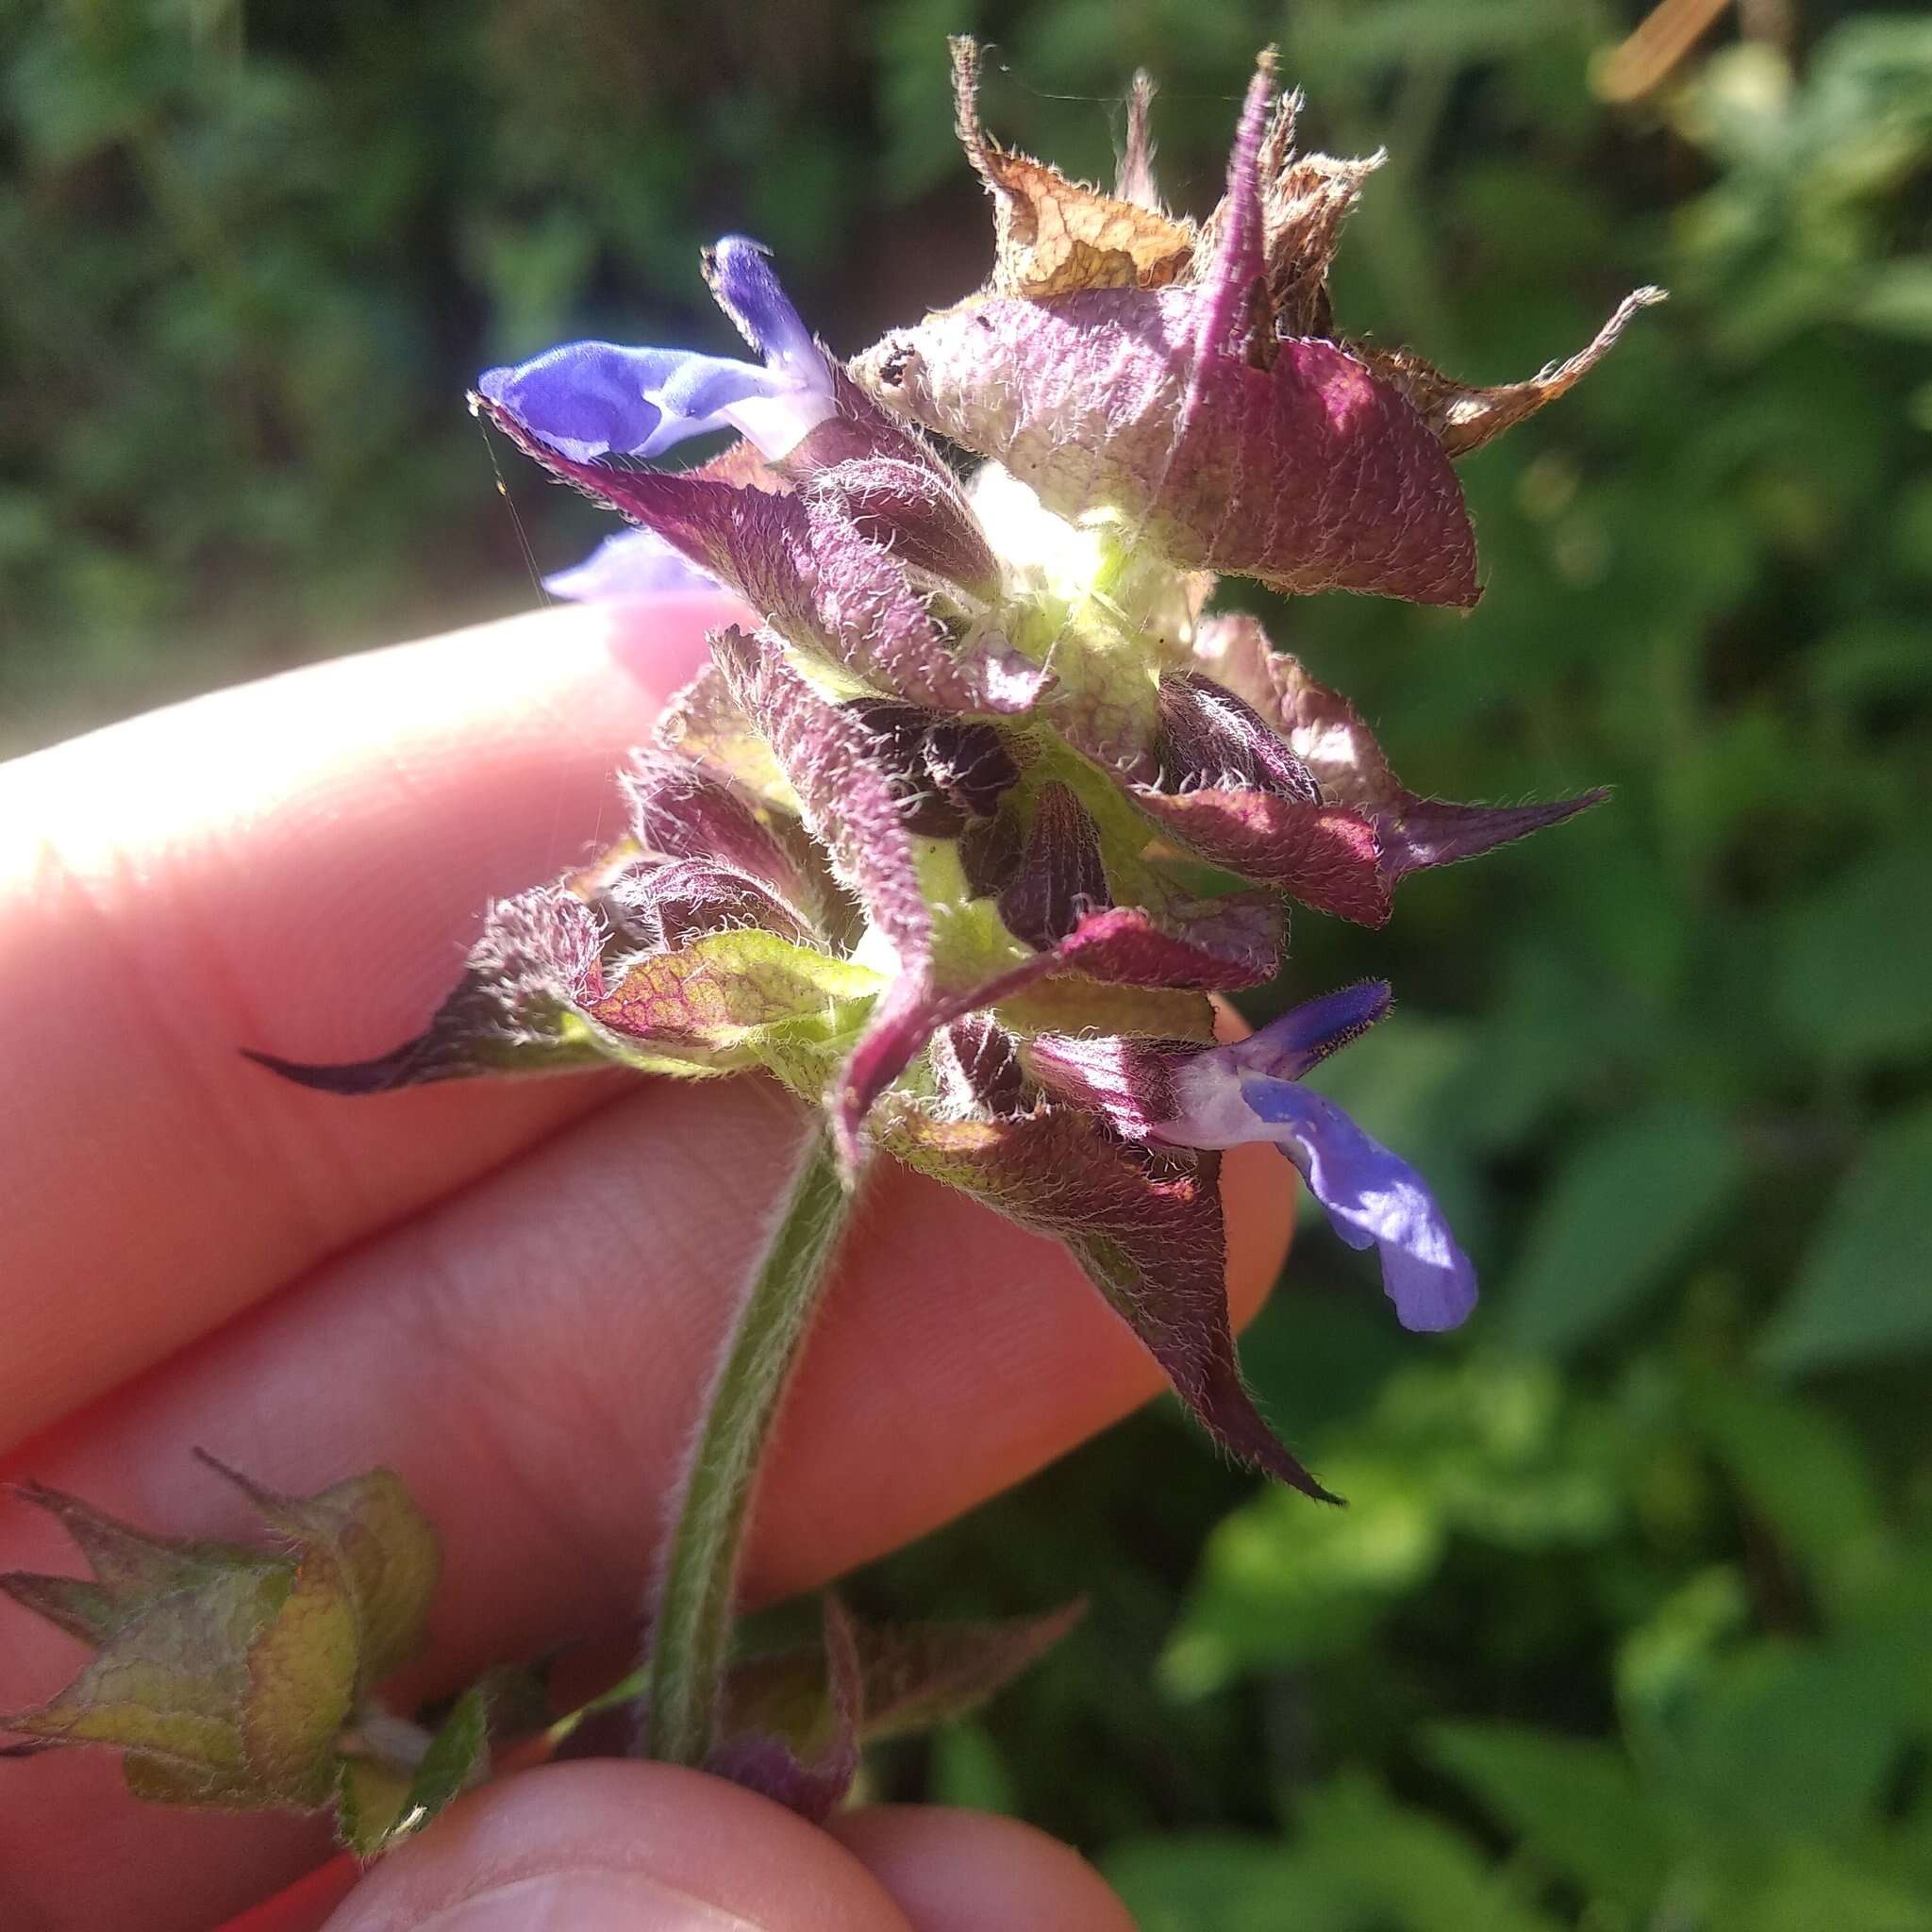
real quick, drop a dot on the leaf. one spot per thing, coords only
(226, 1673)
(920, 1676)
(813, 571)
(511, 1012)
(965, 1769)
(807, 1764)
(1405, 1867)
(378, 1804)
(1577, 1802)
(912, 1678)
(1465, 417)
(1145, 1227)
(1861, 1291)
(1796, 1741)
(1350, 831)
(1855, 1006)
(1310, 475)
(1623, 1209)
(1799, 1469)
(734, 1000)
(1282, 1585)
(387, 1550)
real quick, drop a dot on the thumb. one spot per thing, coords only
(615, 1847)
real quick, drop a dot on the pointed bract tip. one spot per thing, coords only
(1305, 1036)
(354, 1078)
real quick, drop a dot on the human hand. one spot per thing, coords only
(509, 1293)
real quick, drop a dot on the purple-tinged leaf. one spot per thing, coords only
(509, 1013)
(730, 1001)
(775, 1766)
(663, 909)
(1326, 857)
(1060, 878)
(1211, 736)
(1120, 947)
(852, 805)
(682, 810)
(842, 776)
(920, 1676)
(916, 511)
(978, 1067)
(1329, 737)
(1145, 1228)
(1222, 947)
(1310, 475)
(705, 723)
(802, 562)
(795, 1719)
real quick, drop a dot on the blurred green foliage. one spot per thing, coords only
(1627, 1622)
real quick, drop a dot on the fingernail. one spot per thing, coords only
(582, 1902)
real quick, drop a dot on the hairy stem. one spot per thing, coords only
(691, 1630)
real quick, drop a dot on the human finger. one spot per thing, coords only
(529, 1358)
(296, 865)
(617, 1846)
(952, 1871)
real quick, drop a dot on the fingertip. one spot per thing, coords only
(616, 1846)
(950, 1870)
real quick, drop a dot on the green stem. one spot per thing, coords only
(691, 1631)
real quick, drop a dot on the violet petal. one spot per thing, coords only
(1374, 1197)
(632, 563)
(593, 399)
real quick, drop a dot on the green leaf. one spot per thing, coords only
(1407, 1869)
(1864, 1288)
(1801, 1887)
(736, 1000)
(379, 1801)
(1801, 1471)
(226, 1673)
(967, 1769)
(1622, 1213)
(1795, 1741)
(1577, 1803)
(388, 1551)
(1281, 1583)
(302, 1683)
(1223, 1882)
(1853, 1005)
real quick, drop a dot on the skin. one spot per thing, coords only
(507, 1292)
